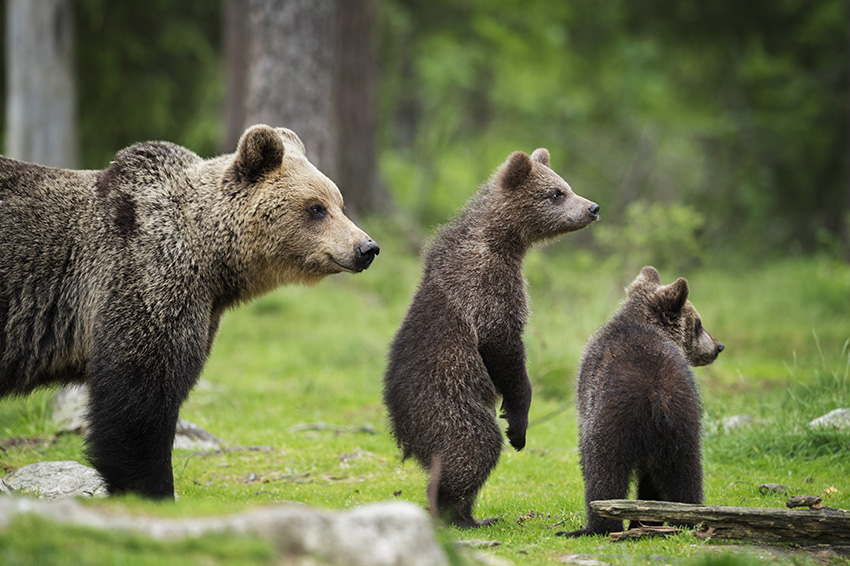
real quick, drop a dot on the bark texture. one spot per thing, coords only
(41, 104)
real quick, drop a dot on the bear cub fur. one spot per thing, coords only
(460, 345)
(119, 277)
(637, 400)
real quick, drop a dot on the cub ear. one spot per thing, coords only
(647, 279)
(673, 297)
(515, 170)
(541, 155)
(260, 151)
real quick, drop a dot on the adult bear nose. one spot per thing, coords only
(366, 252)
(720, 347)
(594, 209)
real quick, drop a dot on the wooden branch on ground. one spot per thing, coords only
(800, 526)
(645, 532)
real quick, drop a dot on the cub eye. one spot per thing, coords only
(318, 211)
(698, 327)
(557, 195)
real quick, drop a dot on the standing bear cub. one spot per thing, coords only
(120, 277)
(637, 400)
(460, 344)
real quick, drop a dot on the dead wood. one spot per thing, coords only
(645, 532)
(800, 526)
(812, 501)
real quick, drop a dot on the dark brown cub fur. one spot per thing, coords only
(460, 346)
(637, 400)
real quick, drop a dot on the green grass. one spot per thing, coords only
(316, 355)
(22, 546)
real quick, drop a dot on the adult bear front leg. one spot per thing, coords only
(140, 374)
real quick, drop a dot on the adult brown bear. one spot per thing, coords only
(120, 277)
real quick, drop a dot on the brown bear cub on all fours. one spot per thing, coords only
(460, 345)
(119, 277)
(638, 403)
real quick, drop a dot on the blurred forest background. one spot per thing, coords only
(699, 127)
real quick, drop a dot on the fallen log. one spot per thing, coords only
(758, 524)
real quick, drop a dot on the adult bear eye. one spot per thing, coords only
(557, 195)
(317, 211)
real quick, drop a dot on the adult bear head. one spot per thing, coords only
(295, 228)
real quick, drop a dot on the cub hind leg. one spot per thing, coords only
(459, 472)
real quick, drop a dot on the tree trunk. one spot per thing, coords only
(289, 75)
(844, 221)
(356, 105)
(235, 51)
(311, 66)
(801, 526)
(41, 107)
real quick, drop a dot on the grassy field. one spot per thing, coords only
(315, 356)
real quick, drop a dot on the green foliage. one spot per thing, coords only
(739, 112)
(654, 233)
(148, 70)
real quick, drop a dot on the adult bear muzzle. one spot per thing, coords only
(366, 251)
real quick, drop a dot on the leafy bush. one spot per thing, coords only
(666, 235)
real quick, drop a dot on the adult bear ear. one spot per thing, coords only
(515, 170)
(260, 151)
(672, 298)
(647, 280)
(541, 155)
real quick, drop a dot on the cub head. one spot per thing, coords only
(295, 227)
(668, 307)
(541, 204)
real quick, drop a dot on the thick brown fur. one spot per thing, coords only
(119, 277)
(460, 345)
(637, 400)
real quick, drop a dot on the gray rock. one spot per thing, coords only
(766, 488)
(837, 419)
(190, 436)
(736, 422)
(374, 535)
(53, 480)
(69, 409)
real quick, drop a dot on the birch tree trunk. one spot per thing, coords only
(41, 109)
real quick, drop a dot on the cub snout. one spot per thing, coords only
(707, 349)
(718, 347)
